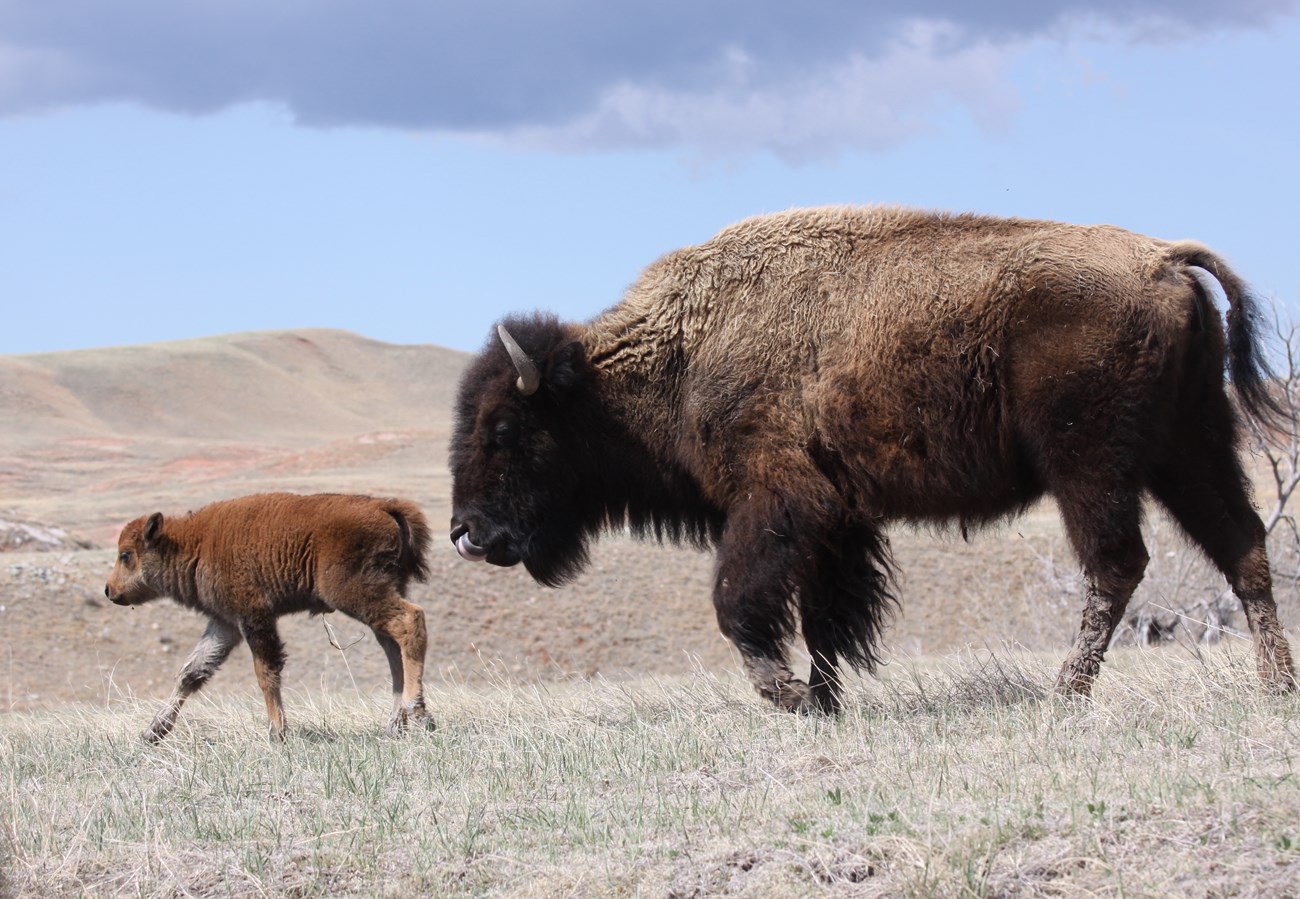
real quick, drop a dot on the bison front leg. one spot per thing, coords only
(844, 603)
(753, 595)
(268, 662)
(213, 648)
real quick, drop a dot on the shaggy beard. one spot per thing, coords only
(555, 564)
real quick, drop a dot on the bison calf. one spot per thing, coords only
(245, 562)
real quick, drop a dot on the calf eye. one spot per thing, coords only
(124, 557)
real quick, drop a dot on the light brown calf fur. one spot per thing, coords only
(245, 562)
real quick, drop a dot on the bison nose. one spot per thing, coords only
(108, 592)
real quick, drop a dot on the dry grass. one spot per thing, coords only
(954, 779)
(961, 779)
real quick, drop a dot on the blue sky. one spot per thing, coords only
(411, 171)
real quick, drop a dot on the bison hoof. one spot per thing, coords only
(794, 696)
(1071, 683)
(1277, 675)
(402, 728)
(156, 731)
(827, 703)
(1278, 685)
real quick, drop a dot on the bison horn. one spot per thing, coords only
(529, 379)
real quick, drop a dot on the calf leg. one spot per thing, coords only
(213, 648)
(268, 661)
(401, 632)
(399, 627)
(396, 668)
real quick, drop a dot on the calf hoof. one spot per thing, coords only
(405, 720)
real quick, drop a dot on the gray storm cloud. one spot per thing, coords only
(800, 79)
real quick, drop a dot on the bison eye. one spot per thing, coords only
(124, 556)
(505, 433)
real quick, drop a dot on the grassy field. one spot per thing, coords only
(962, 778)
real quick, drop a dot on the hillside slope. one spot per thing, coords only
(94, 437)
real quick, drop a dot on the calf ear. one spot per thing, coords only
(153, 528)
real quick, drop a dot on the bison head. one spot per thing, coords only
(524, 452)
(139, 560)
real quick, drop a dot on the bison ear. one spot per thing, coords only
(153, 528)
(564, 368)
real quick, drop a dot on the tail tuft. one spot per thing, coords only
(415, 537)
(1251, 376)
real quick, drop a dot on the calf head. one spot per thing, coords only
(137, 572)
(524, 457)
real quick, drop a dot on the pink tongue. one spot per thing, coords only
(468, 550)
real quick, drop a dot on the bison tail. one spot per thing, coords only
(414, 536)
(1247, 366)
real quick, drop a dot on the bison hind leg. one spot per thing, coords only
(399, 628)
(1104, 523)
(405, 711)
(1206, 491)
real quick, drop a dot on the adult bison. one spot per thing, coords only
(786, 389)
(245, 562)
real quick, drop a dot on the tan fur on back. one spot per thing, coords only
(890, 319)
(819, 276)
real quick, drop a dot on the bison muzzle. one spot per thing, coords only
(787, 389)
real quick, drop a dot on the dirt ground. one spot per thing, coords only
(94, 438)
